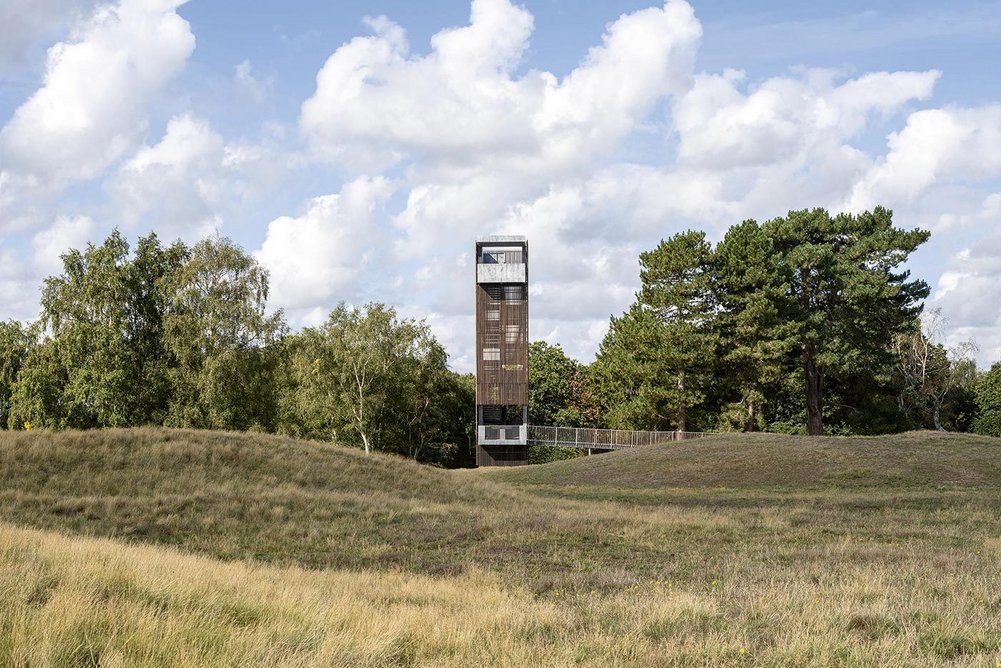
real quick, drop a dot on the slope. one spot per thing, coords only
(235, 495)
(923, 459)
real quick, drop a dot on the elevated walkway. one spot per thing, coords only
(604, 439)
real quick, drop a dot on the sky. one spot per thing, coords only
(357, 149)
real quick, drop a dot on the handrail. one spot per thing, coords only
(604, 439)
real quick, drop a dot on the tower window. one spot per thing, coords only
(513, 293)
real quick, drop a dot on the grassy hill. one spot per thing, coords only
(272, 551)
(751, 461)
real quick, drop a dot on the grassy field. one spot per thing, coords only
(237, 549)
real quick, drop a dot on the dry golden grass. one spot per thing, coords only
(89, 602)
(836, 560)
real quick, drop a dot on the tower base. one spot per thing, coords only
(501, 455)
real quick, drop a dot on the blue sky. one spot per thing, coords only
(358, 148)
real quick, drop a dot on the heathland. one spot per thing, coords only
(173, 547)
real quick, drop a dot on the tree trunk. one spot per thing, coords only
(938, 416)
(364, 438)
(814, 392)
(681, 405)
(750, 415)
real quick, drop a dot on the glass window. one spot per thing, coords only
(491, 354)
(513, 293)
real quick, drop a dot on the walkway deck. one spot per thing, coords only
(604, 439)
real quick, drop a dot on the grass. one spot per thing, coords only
(238, 549)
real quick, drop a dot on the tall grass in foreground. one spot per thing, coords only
(88, 602)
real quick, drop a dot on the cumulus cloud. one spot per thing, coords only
(318, 258)
(18, 286)
(968, 291)
(65, 234)
(24, 23)
(462, 106)
(173, 177)
(722, 128)
(467, 138)
(91, 108)
(935, 145)
(186, 181)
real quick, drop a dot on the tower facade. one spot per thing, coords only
(501, 351)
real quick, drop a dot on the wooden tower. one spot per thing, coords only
(501, 351)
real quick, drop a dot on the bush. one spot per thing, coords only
(988, 397)
(542, 454)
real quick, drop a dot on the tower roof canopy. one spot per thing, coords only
(502, 239)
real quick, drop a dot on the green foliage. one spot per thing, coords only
(368, 378)
(543, 454)
(101, 361)
(756, 341)
(15, 342)
(846, 298)
(781, 326)
(217, 330)
(935, 382)
(37, 396)
(655, 364)
(560, 391)
(182, 337)
(988, 399)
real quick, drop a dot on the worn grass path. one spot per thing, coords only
(797, 551)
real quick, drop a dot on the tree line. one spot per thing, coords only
(180, 336)
(807, 323)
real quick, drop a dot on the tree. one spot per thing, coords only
(846, 298)
(559, 389)
(15, 343)
(221, 340)
(629, 372)
(755, 341)
(656, 360)
(369, 378)
(930, 374)
(150, 276)
(86, 310)
(37, 396)
(102, 338)
(988, 398)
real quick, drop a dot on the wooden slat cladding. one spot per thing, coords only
(501, 344)
(501, 455)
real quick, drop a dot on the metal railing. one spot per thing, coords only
(604, 439)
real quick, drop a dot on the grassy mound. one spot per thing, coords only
(916, 459)
(237, 495)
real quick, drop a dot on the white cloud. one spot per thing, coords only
(65, 234)
(477, 139)
(176, 179)
(186, 181)
(968, 292)
(491, 148)
(243, 74)
(91, 108)
(722, 128)
(18, 288)
(23, 23)
(319, 257)
(461, 107)
(935, 145)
